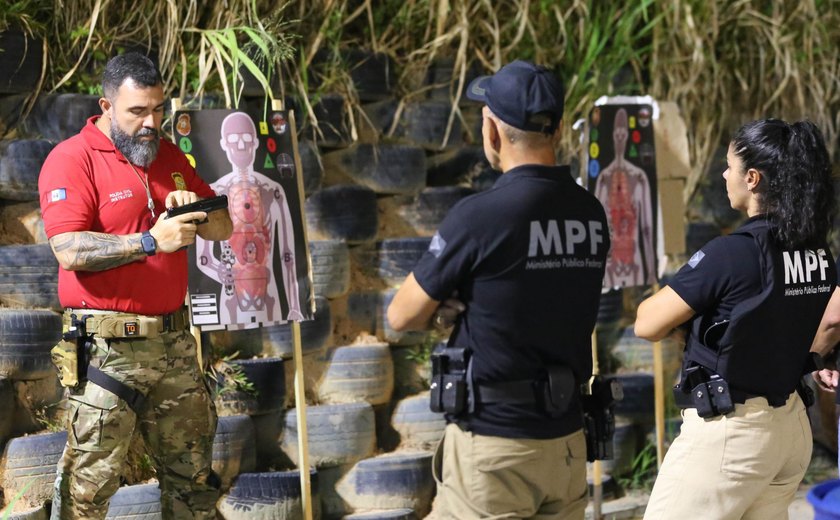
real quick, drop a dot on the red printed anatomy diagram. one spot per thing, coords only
(259, 211)
(624, 190)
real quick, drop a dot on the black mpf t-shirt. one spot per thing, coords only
(527, 259)
(723, 273)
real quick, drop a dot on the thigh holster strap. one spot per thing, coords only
(132, 397)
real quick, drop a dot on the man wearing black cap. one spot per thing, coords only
(518, 270)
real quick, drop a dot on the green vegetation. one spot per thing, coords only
(7, 511)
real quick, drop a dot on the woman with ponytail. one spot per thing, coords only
(750, 304)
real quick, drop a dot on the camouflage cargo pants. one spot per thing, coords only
(177, 421)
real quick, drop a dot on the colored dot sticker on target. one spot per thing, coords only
(636, 136)
(263, 128)
(633, 151)
(191, 159)
(631, 122)
(185, 144)
(594, 150)
(271, 144)
(593, 134)
(268, 162)
(594, 168)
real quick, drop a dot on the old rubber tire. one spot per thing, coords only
(425, 212)
(21, 61)
(391, 481)
(330, 267)
(373, 73)
(363, 372)
(419, 427)
(243, 343)
(32, 458)
(268, 495)
(331, 112)
(310, 163)
(332, 505)
(637, 404)
(611, 306)
(392, 259)
(234, 448)
(343, 212)
(269, 380)
(424, 124)
(7, 405)
(368, 310)
(385, 168)
(39, 513)
(60, 116)
(412, 370)
(455, 166)
(20, 165)
(138, 502)
(391, 514)
(636, 354)
(314, 333)
(26, 338)
(338, 433)
(29, 276)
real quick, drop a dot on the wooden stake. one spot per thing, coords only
(303, 437)
(659, 397)
(597, 477)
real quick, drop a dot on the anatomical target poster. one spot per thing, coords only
(622, 174)
(260, 275)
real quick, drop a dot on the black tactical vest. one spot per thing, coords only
(763, 348)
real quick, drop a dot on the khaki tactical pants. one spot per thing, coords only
(178, 422)
(493, 478)
(744, 465)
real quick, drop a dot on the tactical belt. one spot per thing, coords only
(111, 324)
(522, 391)
(684, 400)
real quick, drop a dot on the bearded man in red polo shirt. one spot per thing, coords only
(123, 276)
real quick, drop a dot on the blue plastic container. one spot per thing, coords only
(825, 498)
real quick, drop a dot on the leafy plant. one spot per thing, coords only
(643, 471)
(228, 377)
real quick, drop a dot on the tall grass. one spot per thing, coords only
(722, 61)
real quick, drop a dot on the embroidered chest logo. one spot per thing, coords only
(120, 195)
(180, 183)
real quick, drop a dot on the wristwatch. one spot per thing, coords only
(147, 242)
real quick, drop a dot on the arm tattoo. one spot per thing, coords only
(89, 251)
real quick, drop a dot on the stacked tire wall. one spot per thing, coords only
(372, 205)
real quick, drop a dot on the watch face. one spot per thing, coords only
(147, 242)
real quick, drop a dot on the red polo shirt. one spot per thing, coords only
(87, 185)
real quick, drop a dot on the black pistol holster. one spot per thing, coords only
(708, 392)
(599, 417)
(72, 357)
(449, 390)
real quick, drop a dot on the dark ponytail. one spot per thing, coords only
(793, 160)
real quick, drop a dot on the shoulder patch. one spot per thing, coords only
(437, 245)
(58, 194)
(695, 258)
(180, 183)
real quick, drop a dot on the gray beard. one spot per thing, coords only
(138, 152)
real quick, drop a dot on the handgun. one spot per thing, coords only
(205, 205)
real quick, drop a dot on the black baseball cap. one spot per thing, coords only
(525, 96)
